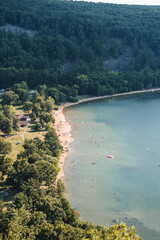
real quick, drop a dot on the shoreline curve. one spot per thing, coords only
(63, 126)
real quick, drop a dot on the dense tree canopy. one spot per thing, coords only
(69, 42)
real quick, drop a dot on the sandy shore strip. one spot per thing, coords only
(63, 126)
(63, 129)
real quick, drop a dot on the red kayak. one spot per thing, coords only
(109, 156)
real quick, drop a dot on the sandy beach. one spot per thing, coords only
(63, 126)
(63, 129)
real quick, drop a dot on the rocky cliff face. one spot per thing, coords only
(18, 30)
(120, 63)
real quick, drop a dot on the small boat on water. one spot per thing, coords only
(109, 156)
(93, 163)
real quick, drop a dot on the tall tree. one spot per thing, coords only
(9, 98)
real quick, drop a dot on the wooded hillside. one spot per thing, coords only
(100, 48)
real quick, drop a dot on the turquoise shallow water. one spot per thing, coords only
(129, 129)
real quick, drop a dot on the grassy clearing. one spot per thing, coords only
(15, 148)
(28, 134)
(19, 110)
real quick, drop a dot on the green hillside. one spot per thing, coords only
(101, 48)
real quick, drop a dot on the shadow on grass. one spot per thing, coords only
(19, 108)
(31, 127)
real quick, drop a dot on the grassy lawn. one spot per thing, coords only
(15, 148)
(19, 110)
(29, 134)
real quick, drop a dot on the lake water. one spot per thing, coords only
(129, 129)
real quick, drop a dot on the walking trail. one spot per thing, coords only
(24, 132)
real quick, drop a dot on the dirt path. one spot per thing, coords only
(24, 132)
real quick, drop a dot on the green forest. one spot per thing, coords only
(63, 49)
(79, 47)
